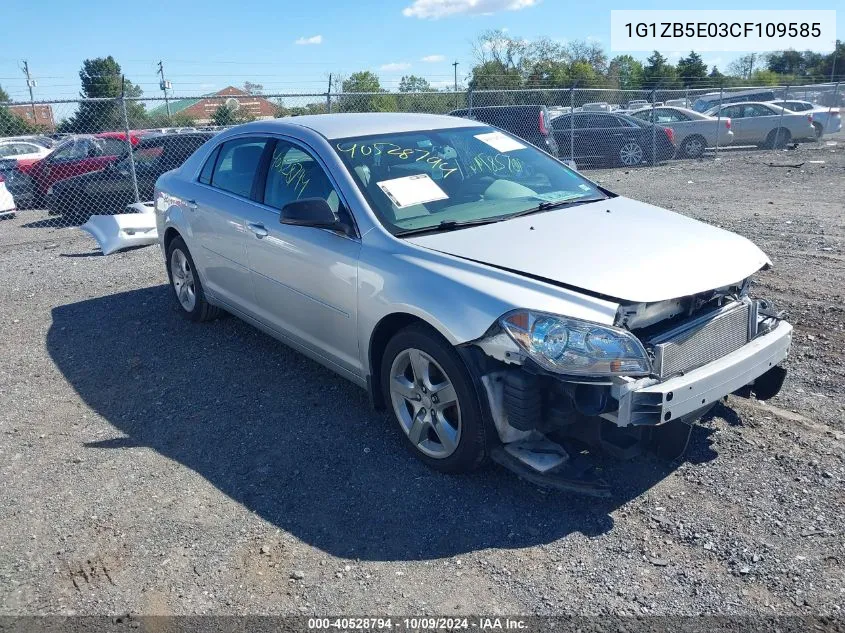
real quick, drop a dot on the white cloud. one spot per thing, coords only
(395, 66)
(676, 55)
(594, 39)
(304, 41)
(433, 58)
(435, 9)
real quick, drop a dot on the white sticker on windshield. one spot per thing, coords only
(500, 142)
(411, 190)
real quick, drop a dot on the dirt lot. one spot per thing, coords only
(150, 465)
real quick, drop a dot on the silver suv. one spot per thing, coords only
(498, 303)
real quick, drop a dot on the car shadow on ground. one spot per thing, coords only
(300, 446)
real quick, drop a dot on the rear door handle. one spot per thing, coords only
(258, 229)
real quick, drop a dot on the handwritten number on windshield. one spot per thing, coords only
(419, 155)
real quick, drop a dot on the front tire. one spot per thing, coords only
(186, 285)
(434, 401)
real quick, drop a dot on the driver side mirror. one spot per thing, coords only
(314, 212)
(93, 152)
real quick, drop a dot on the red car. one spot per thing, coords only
(75, 156)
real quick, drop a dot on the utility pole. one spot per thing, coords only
(164, 85)
(30, 83)
(455, 65)
(329, 96)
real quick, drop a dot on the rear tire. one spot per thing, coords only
(778, 138)
(186, 285)
(432, 397)
(694, 146)
(819, 130)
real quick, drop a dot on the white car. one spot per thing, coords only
(7, 202)
(826, 120)
(23, 150)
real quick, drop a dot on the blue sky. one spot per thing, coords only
(288, 46)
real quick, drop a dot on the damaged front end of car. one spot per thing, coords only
(554, 383)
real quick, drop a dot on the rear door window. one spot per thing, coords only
(237, 165)
(208, 168)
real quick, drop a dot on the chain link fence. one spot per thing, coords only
(63, 161)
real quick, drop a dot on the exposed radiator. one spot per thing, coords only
(701, 341)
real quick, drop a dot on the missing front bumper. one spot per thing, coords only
(647, 402)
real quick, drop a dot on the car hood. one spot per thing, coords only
(618, 248)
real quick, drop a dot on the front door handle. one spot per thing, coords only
(258, 229)
(192, 205)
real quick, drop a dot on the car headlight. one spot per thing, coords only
(571, 346)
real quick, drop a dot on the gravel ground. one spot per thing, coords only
(154, 466)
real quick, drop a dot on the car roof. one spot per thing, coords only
(344, 125)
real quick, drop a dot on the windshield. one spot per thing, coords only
(428, 178)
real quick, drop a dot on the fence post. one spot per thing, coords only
(686, 97)
(719, 118)
(780, 119)
(653, 129)
(469, 101)
(572, 122)
(830, 107)
(129, 141)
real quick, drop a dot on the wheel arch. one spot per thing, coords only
(169, 235)
(384, 330)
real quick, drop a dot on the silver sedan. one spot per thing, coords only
(496, 302)
(765, 124)
(694, 132)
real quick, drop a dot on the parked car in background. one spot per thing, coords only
(601, 106)
(677, 103)
(529, 122)
(636, 104)
(611, 139)
(76, 155)
(7, 201)
(826, 119)
(495, 302)
(109, 190)
(22, 150)
(712, 99)
(694, 132)
(765, 125)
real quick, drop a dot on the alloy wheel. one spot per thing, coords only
(183, 280)
(631, 154)
(425, 403)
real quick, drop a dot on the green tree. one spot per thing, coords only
(365, 82)
(4, 96)
(765, 77)
(224, 115)
(743, 66)
(625, 72)
(102, 78)
(659, 73)
(692, 69)
(412, 83)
